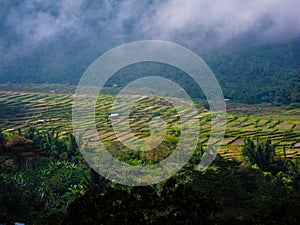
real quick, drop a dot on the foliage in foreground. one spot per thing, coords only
(58, 188)
(226, 193)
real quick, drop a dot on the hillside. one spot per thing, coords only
(23, 105)
(249, 74)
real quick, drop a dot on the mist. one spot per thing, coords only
(67, 35)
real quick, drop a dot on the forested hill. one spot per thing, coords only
(249, 73)
(262, 73)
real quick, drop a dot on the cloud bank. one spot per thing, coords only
(88, 28)
(222, 21)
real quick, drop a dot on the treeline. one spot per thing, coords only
(51, 184)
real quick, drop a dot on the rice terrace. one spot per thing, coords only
(23, 106)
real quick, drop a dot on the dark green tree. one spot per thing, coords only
(261, 154)
(19, 149)
(2, 138)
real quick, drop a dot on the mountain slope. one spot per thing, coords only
(248, 74)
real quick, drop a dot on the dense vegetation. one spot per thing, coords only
(44, 180)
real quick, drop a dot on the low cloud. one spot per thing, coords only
(218, 21)
(92, 27)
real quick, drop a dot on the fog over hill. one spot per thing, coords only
(55, 41)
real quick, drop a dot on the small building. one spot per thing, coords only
(226, 100)
(41, 122)
(114, 115)
(218, 116)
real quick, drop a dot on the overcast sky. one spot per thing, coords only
(66, 27)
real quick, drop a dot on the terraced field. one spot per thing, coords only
(21, 106)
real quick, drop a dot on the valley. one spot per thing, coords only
(22, 106)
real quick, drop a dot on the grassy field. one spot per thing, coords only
(21, 106)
